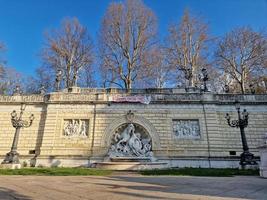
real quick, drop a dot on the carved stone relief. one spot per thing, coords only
(131, 140)
(186, 129)
(76, 128)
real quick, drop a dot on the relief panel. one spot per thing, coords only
(75, 128)
(186, 128)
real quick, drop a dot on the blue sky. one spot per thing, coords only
(23, 22)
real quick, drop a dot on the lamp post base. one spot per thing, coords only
(247, 158)
(10, 166)
(12, 157)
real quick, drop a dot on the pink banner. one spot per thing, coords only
(134, 99)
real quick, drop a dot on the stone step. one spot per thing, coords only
(130, 165)
(130, 159)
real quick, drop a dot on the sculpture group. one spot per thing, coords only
(128, 143)
(186, 128)
(75, 128)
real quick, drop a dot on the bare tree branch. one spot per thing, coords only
(127, 32)
(70, 49)
(187, 45)
(242, 54)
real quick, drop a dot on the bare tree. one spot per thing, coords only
(69, 49)
(9, 77)
(187, 46)
(10, 80)
(242, 54)
(127, 33)
(2, 62)
(87, 77)
(43, 77)
(157, 72)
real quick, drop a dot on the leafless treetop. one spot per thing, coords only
(128, 31)
(187, 46)
(242, 54)
(69, 48)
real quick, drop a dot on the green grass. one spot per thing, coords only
(60, 171)
(200, 172)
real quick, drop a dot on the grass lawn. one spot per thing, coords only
(64, 171)
(200, 172)
(60, 171)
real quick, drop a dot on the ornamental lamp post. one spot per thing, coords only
(246, 158)
(12, 157)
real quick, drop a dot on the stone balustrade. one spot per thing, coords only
(156, 95)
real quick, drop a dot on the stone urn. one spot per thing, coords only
(263, 157)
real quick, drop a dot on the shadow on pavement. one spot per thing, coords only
(209, 187)
(8, 194)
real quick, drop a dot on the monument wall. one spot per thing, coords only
(186, 129)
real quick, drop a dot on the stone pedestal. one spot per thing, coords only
(263, 165)
(130, 165)
(74, 89)
(192, 89)
(10, 166)
(11, 161)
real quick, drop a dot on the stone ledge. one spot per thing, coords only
(10, 166)
(263, 172)
(158, 96)
(130, 165)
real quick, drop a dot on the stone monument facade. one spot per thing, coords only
(183, 129)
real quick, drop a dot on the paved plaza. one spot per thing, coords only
(131, 186)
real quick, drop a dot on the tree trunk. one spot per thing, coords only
(128, 84)
(242, 85)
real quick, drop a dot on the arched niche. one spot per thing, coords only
(139, 122)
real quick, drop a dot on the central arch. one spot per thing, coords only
(139, 121)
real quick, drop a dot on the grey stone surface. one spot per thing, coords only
(263, 156)
(131, 186)
(45, 144)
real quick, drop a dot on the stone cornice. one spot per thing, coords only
(156, 96)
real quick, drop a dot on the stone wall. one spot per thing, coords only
(44, 143)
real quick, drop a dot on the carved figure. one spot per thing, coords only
(66, 129)
(117, 137)
(186, 129)
(136, 144)
(126, 134)
(130, 144)
(83, 128)
(75, 128)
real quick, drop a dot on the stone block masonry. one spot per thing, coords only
(187, 129)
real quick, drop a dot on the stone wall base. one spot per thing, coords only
(201, 163)
(10, 166)
(170, 163)
(133, 166)
(263, 172)
(62, 162)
